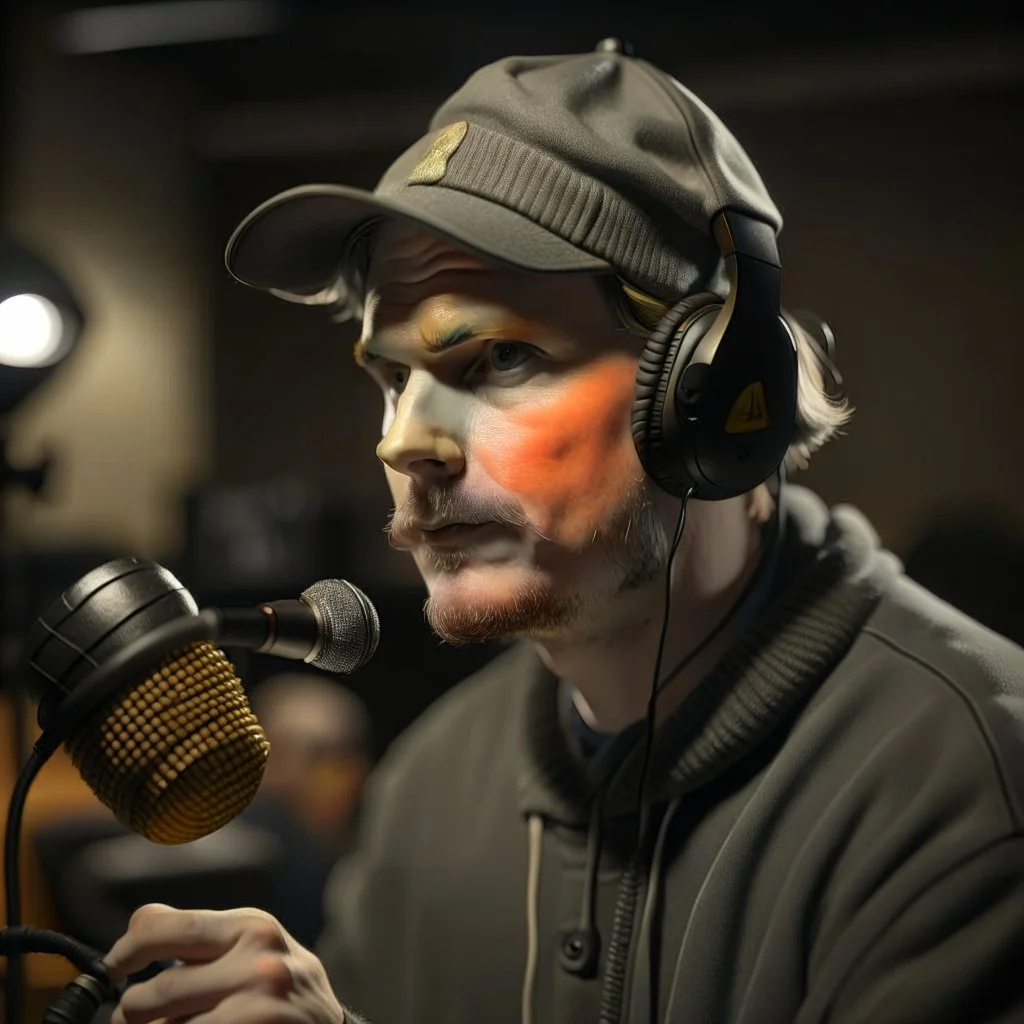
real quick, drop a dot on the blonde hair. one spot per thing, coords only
(819, 414)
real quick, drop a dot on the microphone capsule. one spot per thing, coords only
(348, 625)
(178, 755)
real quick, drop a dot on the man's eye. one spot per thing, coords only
(508, 355)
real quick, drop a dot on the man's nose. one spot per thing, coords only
(422, 439)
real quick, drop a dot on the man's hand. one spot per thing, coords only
(237, 967)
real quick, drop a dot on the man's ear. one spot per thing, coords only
(760, 504)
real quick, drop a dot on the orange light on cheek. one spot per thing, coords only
(569, 460)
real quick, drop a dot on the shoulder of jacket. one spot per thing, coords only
(948, 673)
(918, 628)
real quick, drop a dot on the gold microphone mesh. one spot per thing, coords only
(179, 755)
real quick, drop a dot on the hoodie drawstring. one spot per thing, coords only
(535, 832)
(581, 945)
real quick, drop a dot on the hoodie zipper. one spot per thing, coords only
(614, 991)
(639, 870)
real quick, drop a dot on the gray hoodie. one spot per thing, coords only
(834, 829)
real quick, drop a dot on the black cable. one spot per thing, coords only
(655, 689)
(691, 655)
(26, 939)
(83, 996)
(752, 584)
(14, 981)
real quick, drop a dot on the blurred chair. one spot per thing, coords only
(974, 560)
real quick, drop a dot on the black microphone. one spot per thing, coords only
(129, 675)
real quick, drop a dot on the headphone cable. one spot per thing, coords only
(688, 659)
(655, 689)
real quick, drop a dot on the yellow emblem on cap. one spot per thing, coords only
(430, 170)
(749, 412)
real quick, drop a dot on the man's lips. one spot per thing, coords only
(453, 535)
(443, 535)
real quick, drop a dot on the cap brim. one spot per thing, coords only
(295, 242)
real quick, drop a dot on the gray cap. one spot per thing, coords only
(594, 162)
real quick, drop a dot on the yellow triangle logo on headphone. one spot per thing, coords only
(749, 412)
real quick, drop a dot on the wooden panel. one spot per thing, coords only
(57, 792)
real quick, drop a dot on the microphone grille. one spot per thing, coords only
(179, 755)
(348, 623)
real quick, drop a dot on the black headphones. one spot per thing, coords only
(715, 404)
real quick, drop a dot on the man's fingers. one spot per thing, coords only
(252, 1008)
(157, 932)
(186, 990)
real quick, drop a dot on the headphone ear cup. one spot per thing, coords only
(652, 378)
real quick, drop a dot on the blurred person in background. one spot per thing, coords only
(319, 733)
(830, 822)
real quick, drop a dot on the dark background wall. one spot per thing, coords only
(228, 434)
(903, 219)
(891, 139)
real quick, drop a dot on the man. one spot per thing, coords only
(828, 826)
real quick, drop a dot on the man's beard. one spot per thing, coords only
(632, 542)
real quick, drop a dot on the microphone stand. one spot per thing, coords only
(33, 479)
(232, 628)
(84, 996)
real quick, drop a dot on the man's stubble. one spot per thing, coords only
(630, 551)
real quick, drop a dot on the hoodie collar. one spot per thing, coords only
(833, 575)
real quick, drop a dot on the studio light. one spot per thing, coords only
(31, 331)
(40, 322)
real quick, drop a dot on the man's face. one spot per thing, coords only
(506, 440)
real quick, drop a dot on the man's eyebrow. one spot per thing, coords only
(440, 341)
(446, 339)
